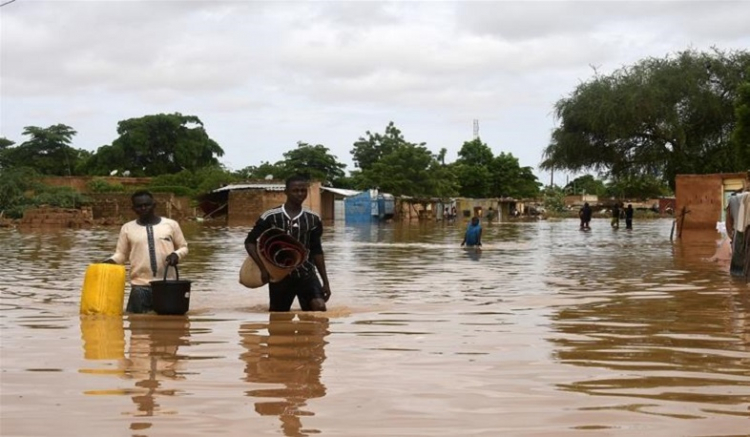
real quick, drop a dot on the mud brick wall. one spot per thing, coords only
(702, 195)
(57, 217)
(79, 183)
(245, 206)
(117, 206)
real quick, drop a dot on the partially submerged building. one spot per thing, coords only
(701, 200)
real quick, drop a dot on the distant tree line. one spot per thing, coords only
(177, 153)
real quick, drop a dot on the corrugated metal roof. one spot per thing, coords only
(267, 187)
(341, 191)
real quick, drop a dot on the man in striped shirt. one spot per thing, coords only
(305, 226)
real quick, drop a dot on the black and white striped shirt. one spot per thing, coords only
(305, 227)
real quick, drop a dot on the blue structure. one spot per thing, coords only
(369, 206)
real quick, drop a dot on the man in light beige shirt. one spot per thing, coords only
(150, 243)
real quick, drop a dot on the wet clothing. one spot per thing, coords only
(739, 208)
(282, 294)
(629, 217)
(473, 235)
(615, 217)
(585, 215)
(147, 247)
(140, 299)
(303, 281)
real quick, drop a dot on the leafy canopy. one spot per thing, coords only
(157, 144)
(659, 117)
(48, 151)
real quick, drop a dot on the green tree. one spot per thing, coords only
(194, 183)
(158, 144)
(276, 171)
(637, 187)
(509, 179)
(741, 134)
(5, 143)
(472, 169)
(586, 184)
(659, 117)
(314, 162)
(48, 151)
(553, 198)
(411, 170)
(367, 151)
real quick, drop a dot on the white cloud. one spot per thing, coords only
(264, 75)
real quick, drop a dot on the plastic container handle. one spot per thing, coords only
(176, 272)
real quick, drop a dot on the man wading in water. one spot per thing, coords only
(305, 226)
(150, 243)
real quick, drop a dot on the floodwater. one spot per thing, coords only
(549, 331)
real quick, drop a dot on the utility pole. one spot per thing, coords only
(476, 128)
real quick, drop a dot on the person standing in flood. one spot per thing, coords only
(629, 217)
(305, 226)
(585, 216)
(150, 243)
(615, 223)
(473, 234)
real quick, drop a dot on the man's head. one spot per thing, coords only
(143, 204)
(475, 220)
(296, 188)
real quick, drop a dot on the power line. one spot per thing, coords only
(6, 3)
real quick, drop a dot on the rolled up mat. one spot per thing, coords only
(280, 253)
(250, 275)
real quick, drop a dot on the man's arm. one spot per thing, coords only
(122, 251)
(729, 223)
(320, 264)
(180, 246)
(316, 251)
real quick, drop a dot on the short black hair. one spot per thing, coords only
(295, 178)
(140, 193)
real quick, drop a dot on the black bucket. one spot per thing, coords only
(171, 296)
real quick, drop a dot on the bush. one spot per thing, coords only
(61, 197)
(99, 185)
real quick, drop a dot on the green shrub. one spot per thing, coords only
(99, 185)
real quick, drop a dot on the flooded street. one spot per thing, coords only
(549, 331)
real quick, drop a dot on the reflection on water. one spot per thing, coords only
(546, 331)
(151, 358)
(284, 360)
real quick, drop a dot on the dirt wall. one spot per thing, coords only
(117, 206)
(57, 217)
(80, 183)
(701, 196)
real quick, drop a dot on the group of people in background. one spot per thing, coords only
(618, 212)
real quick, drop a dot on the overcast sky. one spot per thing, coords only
(264, 75)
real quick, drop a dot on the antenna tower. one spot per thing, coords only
(476, 129)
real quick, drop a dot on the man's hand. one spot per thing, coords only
(109, 261)
(326, 292)
(173, 259)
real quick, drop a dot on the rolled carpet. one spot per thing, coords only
(280, 254)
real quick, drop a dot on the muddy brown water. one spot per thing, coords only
(548, 331)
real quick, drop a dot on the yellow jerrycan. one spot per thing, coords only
(103, 289)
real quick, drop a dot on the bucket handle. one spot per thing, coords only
(176, 272)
